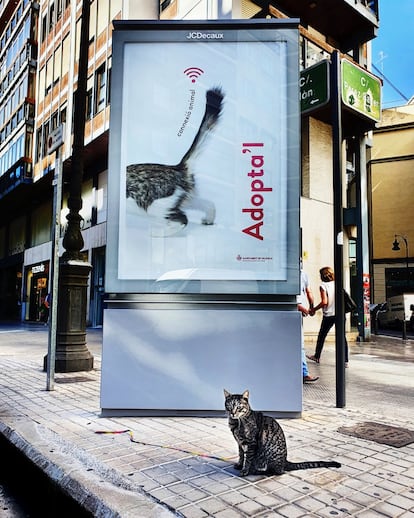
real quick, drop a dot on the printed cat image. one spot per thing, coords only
(262, 443)
(175, 184)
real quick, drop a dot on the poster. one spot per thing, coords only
(202, 160)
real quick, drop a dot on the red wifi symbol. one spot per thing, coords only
(193, 73)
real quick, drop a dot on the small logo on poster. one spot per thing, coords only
(193, 73)
(253, 259)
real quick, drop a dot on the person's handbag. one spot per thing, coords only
(349, 303)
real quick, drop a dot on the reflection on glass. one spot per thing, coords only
(168, 9)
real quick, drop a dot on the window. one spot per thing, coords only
(108, 89)
(63, 115)
(102, 18)
(78, 35)
(100, 89)
(59, 9)
(92, 20)
(310, 54)
(65, 56)
(51, 16)
(42, 78)
(38, 144)
(89, 96)
(44, 28)
(54, 120)
(49, 74)
(45, 136)
(57, 65)
(115, 8)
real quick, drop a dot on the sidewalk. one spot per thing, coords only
(183, 466)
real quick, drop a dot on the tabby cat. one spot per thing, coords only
(147, 183)
(262, 443)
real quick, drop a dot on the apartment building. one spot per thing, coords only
(54, 28)
(392, 212)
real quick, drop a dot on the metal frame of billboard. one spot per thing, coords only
(162, 73)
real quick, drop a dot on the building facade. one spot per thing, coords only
(52, 37)
(392, 213)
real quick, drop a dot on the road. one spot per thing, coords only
(11, 505)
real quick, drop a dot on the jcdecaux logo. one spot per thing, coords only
(205, 35)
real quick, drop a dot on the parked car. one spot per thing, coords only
(395, 310)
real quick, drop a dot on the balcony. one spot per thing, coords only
(347, 23)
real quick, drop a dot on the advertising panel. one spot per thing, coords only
(204, 158)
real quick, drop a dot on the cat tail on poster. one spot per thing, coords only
(291, 466)
(214, 105)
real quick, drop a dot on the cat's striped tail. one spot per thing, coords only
(291, 466)
(214, 105)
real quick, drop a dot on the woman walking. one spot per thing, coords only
(327, 304)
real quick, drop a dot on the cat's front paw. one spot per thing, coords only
(206, 221)
(244, 472)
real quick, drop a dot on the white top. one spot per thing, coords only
(329, 288)
(304, 284)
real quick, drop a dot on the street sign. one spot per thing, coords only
(55, 139)
(314, 86)
(361, 91)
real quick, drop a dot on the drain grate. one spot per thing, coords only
(73, 379)
(380, 433)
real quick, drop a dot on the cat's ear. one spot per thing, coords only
(245, 394)
(226, 393)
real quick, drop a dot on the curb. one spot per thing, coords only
(99, 490)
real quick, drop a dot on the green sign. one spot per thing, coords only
(361, 91)
(314, 86)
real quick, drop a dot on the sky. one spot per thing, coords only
(393, 51)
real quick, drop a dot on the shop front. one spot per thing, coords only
(37, 288)
(10, 288)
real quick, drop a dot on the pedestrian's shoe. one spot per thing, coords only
(313, 358)
(310, 379)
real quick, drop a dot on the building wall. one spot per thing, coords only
(56, 82)
(392, 188)
(317, 215)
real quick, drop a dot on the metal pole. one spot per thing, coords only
(404, 329)
(57, 206)
(72, 239)
(338, 229)
(72, 354)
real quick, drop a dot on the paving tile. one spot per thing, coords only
(192, 511)
(405, 503)
(290, 511)
(388, 509)
(250, 507)
(212, 505)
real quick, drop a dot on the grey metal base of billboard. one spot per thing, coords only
(176, 359)
(128, 412)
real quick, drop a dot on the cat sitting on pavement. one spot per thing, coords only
(262, 443)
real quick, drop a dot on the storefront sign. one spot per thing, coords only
(361, 91)
(38, 268)
(55, 139)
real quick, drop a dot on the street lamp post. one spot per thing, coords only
(72, 354)
(396, 248)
